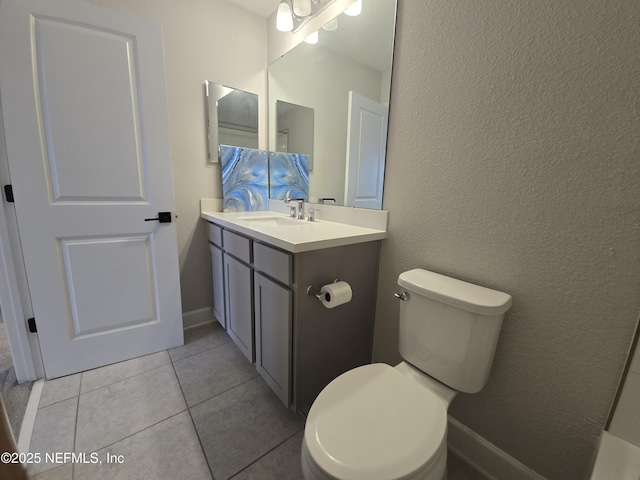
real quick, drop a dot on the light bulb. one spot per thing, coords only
(354, 9)
(302, 8)
(331, 25)
(312, 39)
(284, 21)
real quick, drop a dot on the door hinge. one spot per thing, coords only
(32, 325)
(8, 193)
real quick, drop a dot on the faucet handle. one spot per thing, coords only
(292, 211)
(311, 214)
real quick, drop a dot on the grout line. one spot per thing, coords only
(203, 351)
(206, 459)
(267, 453)
(75, 430)
(29, 419)
(220, 393)
(141, 430)
(125, 378)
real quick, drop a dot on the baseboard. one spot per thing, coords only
(196, 317)
(485, 457)
(29, 419)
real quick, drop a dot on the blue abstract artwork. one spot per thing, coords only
(289, 175)
(245, 179)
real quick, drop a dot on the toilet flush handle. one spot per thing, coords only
(404, 296)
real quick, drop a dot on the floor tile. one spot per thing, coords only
(212, 372)
(282, 463)
(63, 472)
(60, 389)
(458, 469)
(103, 376)
(53, 431)
(168, 450)
(241, 425)
(116, 411)
(199, 339)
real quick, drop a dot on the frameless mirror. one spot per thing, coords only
(294, 125)
(232, 118)
(344, 80)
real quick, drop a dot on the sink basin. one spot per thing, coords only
(271, 221)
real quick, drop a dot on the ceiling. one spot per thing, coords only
(264, 8)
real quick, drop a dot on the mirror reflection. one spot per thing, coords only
(294, 129)
(232, 118)
(344, 80)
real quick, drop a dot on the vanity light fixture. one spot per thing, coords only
(293, 14)
(331, 25)
(354, 9)
(301, 8)
(284, 19)
(312, 39)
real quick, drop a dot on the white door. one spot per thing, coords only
(86, 125)
(366, 150)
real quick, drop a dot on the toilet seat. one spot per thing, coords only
(374, 422)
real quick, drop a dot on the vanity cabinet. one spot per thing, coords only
(273, 335)
(217, 274)
(297, 344)
(238, 286)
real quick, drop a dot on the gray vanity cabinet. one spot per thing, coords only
(297, 344)
(239, 307)
(217, 274)
(273, 335)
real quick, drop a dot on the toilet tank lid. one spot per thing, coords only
(464, 295)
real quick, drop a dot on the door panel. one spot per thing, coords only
(366, 151)
(88, 90)
(89, 272)
(86, 127)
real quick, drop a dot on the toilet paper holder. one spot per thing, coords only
(311, 290)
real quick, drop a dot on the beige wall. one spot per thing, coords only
(203, 40)
(513, 162)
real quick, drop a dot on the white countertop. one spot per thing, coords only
(293, 235)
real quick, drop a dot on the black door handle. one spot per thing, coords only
(163, 217)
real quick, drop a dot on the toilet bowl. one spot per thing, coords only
(377, 422)
(397, 427)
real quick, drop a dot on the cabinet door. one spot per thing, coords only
(217, 276)
(239, 304)
(273, 335)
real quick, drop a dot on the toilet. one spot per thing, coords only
(378, 422)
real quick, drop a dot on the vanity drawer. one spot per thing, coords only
(215, 234)
(237, 245)
(272, 262)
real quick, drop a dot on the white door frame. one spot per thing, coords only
(25, 349)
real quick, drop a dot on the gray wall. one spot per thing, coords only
(513, 162)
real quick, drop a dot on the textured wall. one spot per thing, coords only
(513, 162)
(203, 40)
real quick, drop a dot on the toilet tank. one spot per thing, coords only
(449, 328)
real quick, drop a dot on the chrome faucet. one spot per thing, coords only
(300, 207)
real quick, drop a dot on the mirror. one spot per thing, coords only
(232, 118)
(295, 129)
(344, 81)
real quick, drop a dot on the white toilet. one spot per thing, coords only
(378, 422)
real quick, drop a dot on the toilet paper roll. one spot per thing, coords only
(335, 294)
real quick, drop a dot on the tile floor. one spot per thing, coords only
(199, 411)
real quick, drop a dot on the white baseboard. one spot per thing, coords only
(196, 317)
(484, 456)
(29, 419)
